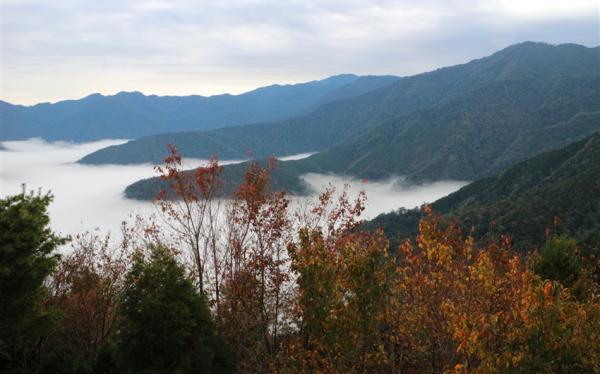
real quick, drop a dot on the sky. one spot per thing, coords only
(67, 49)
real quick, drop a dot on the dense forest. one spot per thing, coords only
(557, 189)
(488, 115)
(132, 114)
(537, 87)
(275, 290)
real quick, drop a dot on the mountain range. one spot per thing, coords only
(463, 122)
(404, 105)
(132, 115)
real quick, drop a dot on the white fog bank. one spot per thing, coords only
(90, 197)
(387, 195)
(86, 197)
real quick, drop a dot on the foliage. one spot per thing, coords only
(439, 305)
(27, 258)
(558, 189)
(236, 251)
(559, 261)
(165, 324)
(259, 288)
(86, 290)
(252, 310)
(484, 310)
(343, 279)
(193, 214)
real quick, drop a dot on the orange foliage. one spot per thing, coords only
(252, 309)
(331, 298)
(86, 288)
(438, 306)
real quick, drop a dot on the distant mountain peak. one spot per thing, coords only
(129, 93)
(132, 114)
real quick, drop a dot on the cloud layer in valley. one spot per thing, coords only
(53, 50)
(91, 197)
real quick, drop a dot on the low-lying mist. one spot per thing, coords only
(386, 195)
(89, 197)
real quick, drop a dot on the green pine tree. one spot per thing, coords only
(27, 258)
(166, 325)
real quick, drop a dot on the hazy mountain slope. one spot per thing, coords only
(131, 115)
(477, 133)
(336, 122)
(524, 199)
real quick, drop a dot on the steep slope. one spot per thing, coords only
(477, 133)
(473, 134)
(128, 115)
(337, 122)
(523, 200)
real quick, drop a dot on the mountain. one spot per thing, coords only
(132, 114)
(472, 135)
(523, 200)
(476, 132)
(342, 121)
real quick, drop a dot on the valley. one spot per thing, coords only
(90, 197)
(300, 187)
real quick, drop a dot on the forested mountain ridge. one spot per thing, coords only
(476, 134)
(132, 114)
(558, 189)
(338, 121)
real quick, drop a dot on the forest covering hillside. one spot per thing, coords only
(472, 135)
(557, 190)
(132, 114)
(273, 289)
(516, 69)
(469, 136)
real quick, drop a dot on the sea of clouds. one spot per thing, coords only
(90, 197)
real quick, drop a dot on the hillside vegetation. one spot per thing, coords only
(526, 69)
(275, 289)
(557, 190)
(472, 135)
(532, 105)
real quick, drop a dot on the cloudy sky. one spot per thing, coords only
(62, 49)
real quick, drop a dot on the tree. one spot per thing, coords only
(27, 258)
(459, 307)
(165, 324)
(86, 291)
(252, 311)
(342, 282)
(190, 209)
(559, 260)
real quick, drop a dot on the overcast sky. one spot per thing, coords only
(62, 49)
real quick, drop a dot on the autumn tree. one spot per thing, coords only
(86, 291)
(190, 209)
(238, 250)
(252, 311)
(441, 304)
(27, 257)
(312, 292)
(458, 307)
(342, 282)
